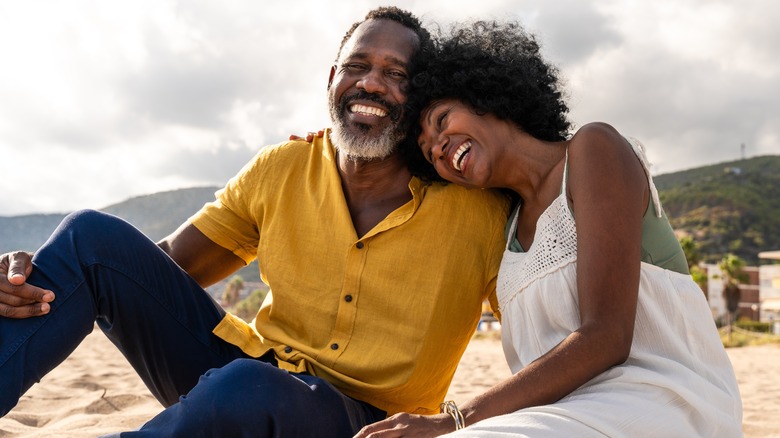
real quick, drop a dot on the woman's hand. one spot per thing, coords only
(409, 425)
(309, 136)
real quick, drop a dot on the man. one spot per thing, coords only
(376, 277)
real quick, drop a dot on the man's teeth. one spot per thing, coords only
(368, 110)
(459, 154)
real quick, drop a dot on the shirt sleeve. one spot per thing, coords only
(233, 220)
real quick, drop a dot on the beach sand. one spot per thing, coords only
(95, 391)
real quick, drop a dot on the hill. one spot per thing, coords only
(731, 207)
(157, 215)
(26, 232)
(726, 207)
(176, 206)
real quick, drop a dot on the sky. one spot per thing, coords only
(103, 100)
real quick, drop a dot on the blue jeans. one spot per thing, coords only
(103, 270)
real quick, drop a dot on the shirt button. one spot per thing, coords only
(359, 245)
(348, 298)
(334, 346)
(288, 349)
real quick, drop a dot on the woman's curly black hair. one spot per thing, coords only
(493, 67)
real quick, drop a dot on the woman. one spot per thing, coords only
(604, 330)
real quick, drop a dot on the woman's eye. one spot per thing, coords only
(440, 119)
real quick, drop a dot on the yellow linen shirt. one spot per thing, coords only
(385, 318)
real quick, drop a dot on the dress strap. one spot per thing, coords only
(639, 150)
(565, 171)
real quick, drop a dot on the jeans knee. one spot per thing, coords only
(89, 230)
(90, 221)
(247, 375)
(243, 391)
(248, 397)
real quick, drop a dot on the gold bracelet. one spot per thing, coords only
(449, 407)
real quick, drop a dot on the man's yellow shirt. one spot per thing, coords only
(385, 317)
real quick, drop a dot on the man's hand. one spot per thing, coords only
(18, 299)
(309, 136)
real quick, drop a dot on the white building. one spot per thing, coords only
(769, 284)
(715, 292)
(749, 304)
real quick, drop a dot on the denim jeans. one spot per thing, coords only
(104, 271)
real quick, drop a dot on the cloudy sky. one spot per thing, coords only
(101, 100)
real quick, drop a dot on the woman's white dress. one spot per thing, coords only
(677, 381)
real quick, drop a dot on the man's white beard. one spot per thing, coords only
(363, 146)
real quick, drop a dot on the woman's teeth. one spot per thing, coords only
(457, 157)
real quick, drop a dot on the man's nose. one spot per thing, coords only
(373, 82)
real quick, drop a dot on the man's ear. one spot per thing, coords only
(332, 74)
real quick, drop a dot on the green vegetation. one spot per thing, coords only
(693, 257)
(726, 208)
(743, 338)
(247, 308)
(754, 326)
(232, 293)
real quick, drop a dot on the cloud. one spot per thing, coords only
(104, 99)
(694, 88)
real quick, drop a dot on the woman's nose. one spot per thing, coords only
(438, 148)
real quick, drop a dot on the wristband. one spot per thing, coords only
(449, 407)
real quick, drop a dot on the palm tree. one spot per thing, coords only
(693, 257)
(732, 276)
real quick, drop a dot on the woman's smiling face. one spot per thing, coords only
(453, 139)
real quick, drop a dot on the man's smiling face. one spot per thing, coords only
(368, 89)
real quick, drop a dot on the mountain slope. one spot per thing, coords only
(731, 207)
(157, 215)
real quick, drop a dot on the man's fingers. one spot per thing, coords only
(23, 295)
(15, 268)
(16, 278)
(23, 301)
(19, 267)
(27, 311)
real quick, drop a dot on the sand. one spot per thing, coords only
(95, 391)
